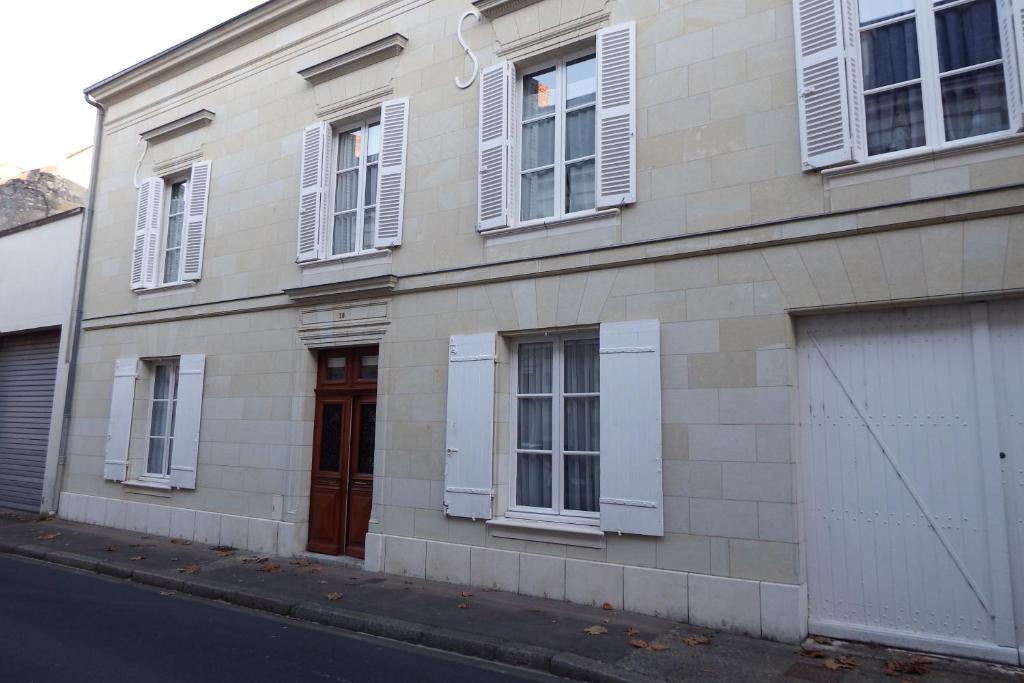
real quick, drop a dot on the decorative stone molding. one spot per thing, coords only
(196, 119)
(497, 8)
(356, 59)
(354, 106)
(182, 162)
(335, 325)
(351, 289)
(562, 35)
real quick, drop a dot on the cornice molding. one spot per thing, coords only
(561, 35)
(497, 8)
(353, 106)
(350, 289)
(196, 119)
(356, 59)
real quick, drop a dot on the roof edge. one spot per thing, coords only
(4, 232)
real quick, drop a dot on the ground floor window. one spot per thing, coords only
(557, 427)
(163, 404)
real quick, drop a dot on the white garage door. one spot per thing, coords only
(907, 539)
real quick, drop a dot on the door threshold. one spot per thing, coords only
(344, 560)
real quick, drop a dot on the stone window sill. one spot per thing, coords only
(370, 255)
(596, 219)
(148, 487)
(581, 535)
(160, 289)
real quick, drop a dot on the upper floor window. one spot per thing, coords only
(557, 158)
(354, 213)
(933, 72)
(172, 261)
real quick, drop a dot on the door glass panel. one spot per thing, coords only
(336, 367)
(367, 434)
(330, 438)
(368, 367)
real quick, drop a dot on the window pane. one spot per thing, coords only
(537, 197)
(370, 193)
(369, 221)
(368, 367)
(372, 143)
(579, 186)
(874, 10)
(174, 224)
(161, 381)
(582, 366)
(895, 120)
(582, 423)
(580, 82)
(967, 34)
(172, 264)
(155, 461)
(579, 133)
(582, 482)
(178, 192)
(890, 54)
(533, 480)
(330, 438)
(538, 144)
(346, 195)
(540, 92)
(367, 436)
(974, 103)
(349, 149)
(336, 367)
(344, 233)
(158, 418)
(535, 368)
(535, 424)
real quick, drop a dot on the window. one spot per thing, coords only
(556, 161)
(354, 213)
(163, 408)
(177, 194)
(933, 72)
(557, 428)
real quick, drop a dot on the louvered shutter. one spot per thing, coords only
(195, 225)
(828, 82)
(469, 441)
(616, 115)
(148, 212)
(631, 494)
(394, 126)
(312, 185)
(1011, 29)
(188, 409)
(495, 163)
(119, 425)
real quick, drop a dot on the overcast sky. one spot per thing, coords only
(53, 49)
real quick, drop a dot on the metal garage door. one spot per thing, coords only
(906, 528)
(28, 370)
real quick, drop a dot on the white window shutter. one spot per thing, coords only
(145, 245)
(1011, 29)
(312, 186)
(495, 163)
(188, 410)
(195, 224)
(826, 72)
(469, 440)
(119, 426)
(631, 493)
(616, 115)
(394, 127)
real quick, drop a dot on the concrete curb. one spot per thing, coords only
(565, 664)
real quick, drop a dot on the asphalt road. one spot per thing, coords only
(63, 625)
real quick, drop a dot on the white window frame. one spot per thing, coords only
(929, 79)
(165, 229)
(557, 512)
(168, 437)
(560, 214)
(337, 131)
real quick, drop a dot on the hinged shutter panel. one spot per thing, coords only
(188, 410)
(494, 172)
(631, 495)
(616, 115)
(311, 190)
(823, 99)
(119, 426)
(195, 225)
(1011, 29)
(469, 440)
(394, 126)
(147, 233)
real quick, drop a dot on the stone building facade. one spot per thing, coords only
(554, 331)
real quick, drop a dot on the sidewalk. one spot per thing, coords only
(540, 634)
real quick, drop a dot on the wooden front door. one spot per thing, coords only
(341, 490)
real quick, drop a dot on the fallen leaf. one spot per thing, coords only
(137, 558)
(697, 640)
(658, 647)
(467, 594)
(916, 667)
(632, 631)
(111, 548)
(462, 605)
(47, 536)
(314, 570)
(189, 569)
(270, 569)
(222, 548)
(642, 644)
(813, 654)
(821, 640)
(334, 595)
(607, 606)
(595, 630)
(225, 553)
(255, 560)
(832, 665)
(300, 563)
(847, 662)
(181, 541)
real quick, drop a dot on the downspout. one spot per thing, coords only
(76, 321)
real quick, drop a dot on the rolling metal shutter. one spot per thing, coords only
(28, 370)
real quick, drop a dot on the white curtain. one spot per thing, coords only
(533, 470)
(582, 425)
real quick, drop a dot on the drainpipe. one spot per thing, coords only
(76, 321)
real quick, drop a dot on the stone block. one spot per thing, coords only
(655, 592)
(725, 604)
(542, 576)
(734, 443)
(593, 583)
(783, 612)
(492, 568)
(447, 562)
(728, 518)
(405, 556)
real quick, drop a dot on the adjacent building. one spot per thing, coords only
(701, 309)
